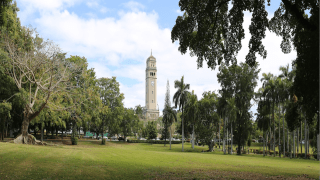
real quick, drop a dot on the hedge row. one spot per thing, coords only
(153, 141)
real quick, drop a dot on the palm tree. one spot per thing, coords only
(270, 93)
(191, 110)
(180, 98)
(170, 116)
(286, 86)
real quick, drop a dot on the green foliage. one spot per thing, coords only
(74, 140)
(249, 141)
(112, 99)
(164, 134)
(213, 31)
(129, 122)
(207, 118)
(151, 129)
(239, 81)
(103, 142)
(153, 141)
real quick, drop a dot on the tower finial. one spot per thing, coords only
(151, 52)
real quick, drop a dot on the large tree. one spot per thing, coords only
(180, 98)
(169, 114)
(38, 72)
(207, 118)
(111, 98)
(129, 121)
(239, 82)
(191, 112)
(213, 31)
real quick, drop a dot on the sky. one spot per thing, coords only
(116, 37)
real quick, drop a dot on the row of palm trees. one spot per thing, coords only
(277, 93)
(188, 104)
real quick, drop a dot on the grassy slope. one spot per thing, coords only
(90, 160)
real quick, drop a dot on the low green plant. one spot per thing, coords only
(103, 142)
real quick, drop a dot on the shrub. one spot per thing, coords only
(298, 155)
(315, 156)
(287, 154)
(74, 140)
(103, 142)
(152, 141)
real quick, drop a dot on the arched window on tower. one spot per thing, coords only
(152, 92)
(152, 101)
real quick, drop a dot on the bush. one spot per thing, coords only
(74, 140)
(287, 154)
(152, 141)
(315, 156)
(298, 155)
(103, 142)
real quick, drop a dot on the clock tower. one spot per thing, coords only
(152, 110)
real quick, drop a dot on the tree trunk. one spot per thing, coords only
(318, 146)
(52, 128)
(284, 138)
(170, 139)
(263, 141)
(301, 137)
(288, 139)
(224, 135)
(274, 139)
(193, 137)
(239, 142)
(2, 129)
(279, 145)
(267, 142)
(294, 144)
(270, 146)
(305, 138)
(165, 134)
(219, 132)
(292, 137)
(228, 138)
(23, 138)
(298, 141)
(182, 129)
(308, 141)
(231, 139)
(41, 132)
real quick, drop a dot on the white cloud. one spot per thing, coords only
(134, 6)
(92, 4)
(110, 42)
(104, 10)
(180, 13)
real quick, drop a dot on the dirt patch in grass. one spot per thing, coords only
(216, 174)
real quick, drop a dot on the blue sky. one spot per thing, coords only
(116, 37)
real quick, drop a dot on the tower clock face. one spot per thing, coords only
(152, 83)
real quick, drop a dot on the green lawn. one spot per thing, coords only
(119, 160)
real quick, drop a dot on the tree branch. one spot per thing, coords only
(298, 15)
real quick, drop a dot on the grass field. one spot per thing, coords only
(119, 160)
